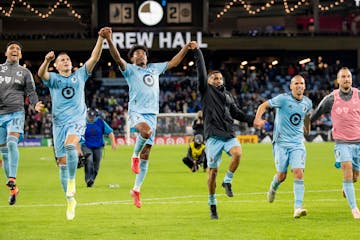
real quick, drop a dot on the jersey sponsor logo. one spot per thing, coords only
(295, 119)
(148, 80)
(68, 92)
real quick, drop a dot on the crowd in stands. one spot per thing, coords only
(178, 94)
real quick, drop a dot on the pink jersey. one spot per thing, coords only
(345, 116)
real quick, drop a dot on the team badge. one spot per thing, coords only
(68, 92)
(148, 80)
(19, 73)
(295, 119)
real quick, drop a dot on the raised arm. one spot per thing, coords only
(201, 70)
(43, 70)
(258, 121)
(176, 60)
(113, 50)
(96, 52)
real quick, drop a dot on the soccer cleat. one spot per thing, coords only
(356, 213)
(11, 183)
(300, 212)
(136, 196)
(71, 189)
(135, 161)
(13, 193)
(271, 195)
(70, 211)
(228, 190)
(213, 212)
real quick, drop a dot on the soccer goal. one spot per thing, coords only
(172, 128)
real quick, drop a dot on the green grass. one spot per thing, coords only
(175, 200)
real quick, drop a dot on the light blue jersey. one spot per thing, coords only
(144, 86)
(68, 97)
(289, 118)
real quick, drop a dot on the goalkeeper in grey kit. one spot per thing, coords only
(219, 110)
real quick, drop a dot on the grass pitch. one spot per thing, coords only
(175, 200)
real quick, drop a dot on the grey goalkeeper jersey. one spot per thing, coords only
(16, 82)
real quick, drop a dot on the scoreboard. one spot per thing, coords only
(161, 15)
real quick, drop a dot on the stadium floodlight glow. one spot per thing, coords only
(275, 62)
(191, 63)
(243, 63)
(304, 61)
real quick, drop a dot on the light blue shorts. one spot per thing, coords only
(12, 122)
(60, 133)
(295, 157)
(151, 120)
(214, 148)
(345, 152)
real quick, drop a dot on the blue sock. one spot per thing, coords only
(64, 175)
(13, 155)
(71, 160)
(348, 187)
(4, 153)
(228, 176)
(140, 141)
(275, 183)
(298, 192)
(212, 199)
(139, 179)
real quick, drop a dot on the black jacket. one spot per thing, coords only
(219, 107)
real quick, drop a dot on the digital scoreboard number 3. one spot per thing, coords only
(121, 13)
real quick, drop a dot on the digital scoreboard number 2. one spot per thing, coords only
(179, 13)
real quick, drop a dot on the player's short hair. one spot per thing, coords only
(137, 47)
(61, 53)
(213, 72)
(14, 42)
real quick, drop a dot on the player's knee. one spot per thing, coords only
(146, 134)
(213, 172)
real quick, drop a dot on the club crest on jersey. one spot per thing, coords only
(148, 80)
(19, 73)
(4, 68)
(295, 119)
(68, 92)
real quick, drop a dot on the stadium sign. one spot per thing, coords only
(125, 40)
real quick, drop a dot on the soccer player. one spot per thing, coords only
(93, 146)
(343, 105)
(15, 82)
(291, 120)
(143, 80)
(219, 112)
(68, 113)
